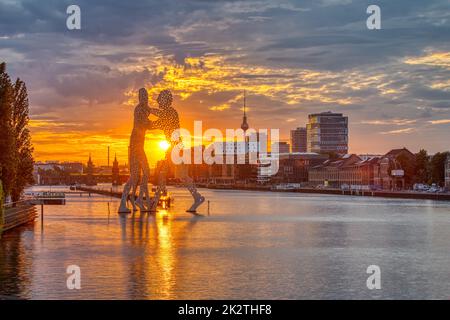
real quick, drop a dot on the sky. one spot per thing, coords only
(293, 58)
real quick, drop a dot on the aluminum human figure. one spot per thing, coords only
(168, 121)
(137, 158)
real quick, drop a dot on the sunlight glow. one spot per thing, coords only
(164, 145)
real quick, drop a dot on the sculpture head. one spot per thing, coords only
(143, 96)
(165, 99)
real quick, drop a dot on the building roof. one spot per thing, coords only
(396, 152)
(326, 114)
(345, 160)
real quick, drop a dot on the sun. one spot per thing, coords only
(164, 145)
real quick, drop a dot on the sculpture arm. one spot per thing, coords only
(148, 124)
(157, 124)
(154, 111)
(143, 118)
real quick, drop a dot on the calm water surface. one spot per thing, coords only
(253, 245)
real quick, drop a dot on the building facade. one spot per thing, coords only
(294, 167)
(299, 140)
(283, 147)
(375, 172)
(335, 173)
(394, 171)
(327, 132)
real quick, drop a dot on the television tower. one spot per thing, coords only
(244, 125)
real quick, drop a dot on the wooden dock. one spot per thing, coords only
(47, 197)
(16, 216)
(24, 211)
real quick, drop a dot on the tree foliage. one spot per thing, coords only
(16, 151)
(437, 168)
(23, 147)
(408, 165)
(431, 169)
(7, 154)
(422, 166)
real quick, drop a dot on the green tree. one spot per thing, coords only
(422, 166)
(23, 148)
(408, 165)
(437, 168)
(7, 143)
(16, 151)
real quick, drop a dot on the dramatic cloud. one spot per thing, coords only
(441, 121)
(292, 58)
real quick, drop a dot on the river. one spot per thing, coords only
(251, 245)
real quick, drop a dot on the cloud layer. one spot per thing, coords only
(292, 58)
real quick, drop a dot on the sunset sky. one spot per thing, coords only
(292, 57)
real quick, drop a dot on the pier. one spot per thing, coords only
(21, 214)
(24, 211)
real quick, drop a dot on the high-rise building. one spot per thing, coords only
(298, 140)
(327, 132)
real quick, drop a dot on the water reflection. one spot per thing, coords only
(150, 244)
(14, 263)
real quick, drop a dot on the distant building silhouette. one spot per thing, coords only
(299, 140)
(283, 147)
(90, 172)
(115, 177)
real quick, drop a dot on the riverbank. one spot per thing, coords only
(361, 193)
(383, 194)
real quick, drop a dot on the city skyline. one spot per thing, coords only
(293, 58)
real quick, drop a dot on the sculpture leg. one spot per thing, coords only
(198, 198)
(123, 202)
(140, 202)
(143, 190)
(133, 200)
(132, 181)
(161, 185)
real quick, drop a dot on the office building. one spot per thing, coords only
(298, 140)
(327, 132)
